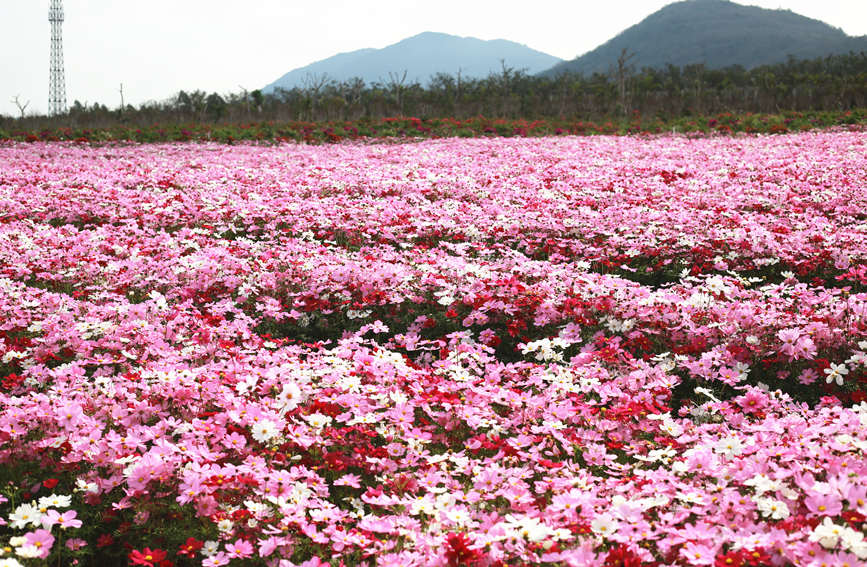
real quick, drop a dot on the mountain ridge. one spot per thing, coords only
(421, 56)
(716, 33)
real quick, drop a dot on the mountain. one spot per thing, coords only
(719, 34)
(422, 56)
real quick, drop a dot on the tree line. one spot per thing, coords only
(833, 83)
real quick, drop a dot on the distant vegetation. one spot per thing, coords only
(834, 84)
(417, 128)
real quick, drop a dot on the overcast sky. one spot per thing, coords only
(157, 47)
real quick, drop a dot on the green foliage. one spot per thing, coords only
(352, 109)
(332, 132)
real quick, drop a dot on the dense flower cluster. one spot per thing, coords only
(582, 351)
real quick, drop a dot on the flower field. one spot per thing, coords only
(601, 351)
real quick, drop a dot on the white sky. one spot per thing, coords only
(157, 47)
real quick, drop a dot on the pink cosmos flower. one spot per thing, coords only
(70, 415)
(856, 496)
(42, 540)
(808, 376)
(241, 549)
(75, 543)
(234, 441)
(65, 520)
(217, 560)
(348, 479)
(789, 338)
(753, 401)
(729, 376)
(805, 348)
(698, 554)
(824, 504)
(268, 546)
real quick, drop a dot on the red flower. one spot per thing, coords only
(622, 556)
(191, 547)
(458, 551)
(730, 559)
(147, 556)
(853, 518)
(756, 557)
(50, 483)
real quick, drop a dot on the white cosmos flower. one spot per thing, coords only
(827, 533)
(28, 551)
(699, 300)
(318, 420)
(762, 483)
(289, 396)
(458, 516)
(264, 430)
(55, 501)
(604, 525)
(715, 285)
(835, 373)
(422, 505)
(729, 446)
(25, 514)
(671, 427)
(772, 508)
(210, 547)
(225, 526)
(853, 540)
(528, 528)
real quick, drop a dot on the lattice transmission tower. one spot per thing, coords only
(57, 87)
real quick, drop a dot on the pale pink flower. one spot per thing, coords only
(42, 540)
(66, 520)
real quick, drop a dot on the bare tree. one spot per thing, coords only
(352, 91)
(504, 80)
(396, 83)
(314, 85)
(122, 106)
(21, 107)
(694, 74)
(458, 92)
(624, 71)
(245, 97)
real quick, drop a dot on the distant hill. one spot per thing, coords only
(719, 34)
(422, 56)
